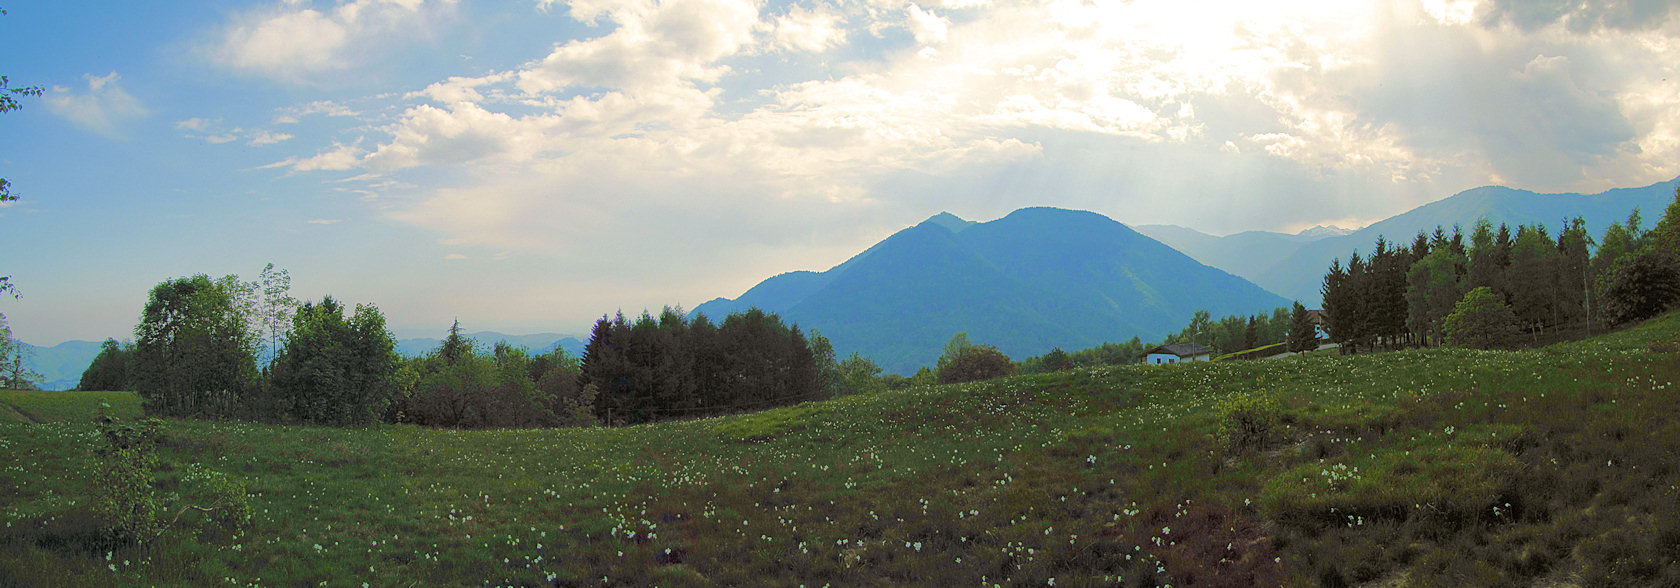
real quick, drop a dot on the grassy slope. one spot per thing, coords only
(1434, 467)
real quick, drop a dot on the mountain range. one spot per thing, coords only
(1043, 277)
(1036, 279)
(1294, 265)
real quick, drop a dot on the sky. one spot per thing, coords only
(530, 165)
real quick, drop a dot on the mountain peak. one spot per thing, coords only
(951, 222)
(1324, 231)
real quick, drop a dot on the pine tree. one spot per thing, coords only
(1302, 335)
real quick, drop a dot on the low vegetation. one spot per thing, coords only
(1415, 468)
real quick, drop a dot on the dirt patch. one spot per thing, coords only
(1203, 544)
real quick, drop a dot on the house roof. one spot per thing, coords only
(1180, 349)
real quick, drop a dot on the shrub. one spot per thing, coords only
(123, 492)
(976, 363)
(1480, 320)
(126, 496)
(1248, 421)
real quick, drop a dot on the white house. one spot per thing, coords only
(1177, 353)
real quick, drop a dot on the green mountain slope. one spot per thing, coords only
(1036, 279)
(1442, 467)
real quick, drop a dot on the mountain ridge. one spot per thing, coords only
(1035, 279)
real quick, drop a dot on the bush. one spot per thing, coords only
(123, 492)
(976, 363)
(1248, 421)
(1480, 320)
(126, 497)
(1642, 288)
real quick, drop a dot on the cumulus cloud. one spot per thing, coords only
(1347, 110)
(292, 40)
(1578, 16)
(927, 27)
(103, 109)
(812, 30)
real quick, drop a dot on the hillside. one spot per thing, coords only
(1036, 279)
(1300, 274)
(1436, 467)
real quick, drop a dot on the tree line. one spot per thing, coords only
(1399, 296)
(227, 349)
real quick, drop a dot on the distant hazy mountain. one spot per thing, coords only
(61, 365)
(538, 343)
(1249, 254)
(1036, 279)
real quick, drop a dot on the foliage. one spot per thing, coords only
(457, 386)
(8, 103)
(1642, 286)
(130, 500)
(193, 353)
(1248, 422)
(1434, 285)
(1480, 321)
(1303, 335)
(1231, 334)
(124, 496)
(1057, 360)
(1106, 354)
(13, 374)
(110, 369)
(975, 363)
(273, 309)
(334, 370)
(861, 376)
(660, 369)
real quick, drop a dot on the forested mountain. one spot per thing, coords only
(1034, 280)
(1295, 269)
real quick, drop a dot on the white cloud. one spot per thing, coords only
(1349, 109)
(812, 30)
(927, 27)
(103, 109)
(458, 89)
(293, 40)
(324, 221)
(193, 124)
(293, 114)
(654, 45)
(264, 137)
(219, 139)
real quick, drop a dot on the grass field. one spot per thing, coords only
(1553, 466)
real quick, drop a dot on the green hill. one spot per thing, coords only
(1554, 466)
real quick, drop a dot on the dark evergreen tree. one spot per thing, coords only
(1303, 336)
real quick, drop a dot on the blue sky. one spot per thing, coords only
(529, 165)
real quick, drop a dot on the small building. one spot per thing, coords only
(1321, 324)
(1177, 353)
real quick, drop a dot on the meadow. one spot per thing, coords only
(1552, 466)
